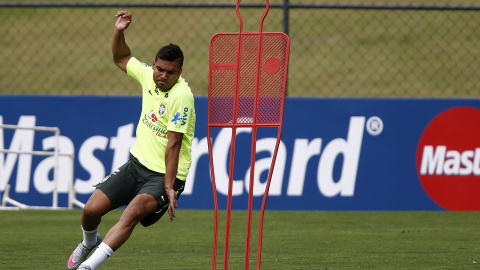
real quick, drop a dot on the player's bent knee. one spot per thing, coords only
(97, 206)
(140, 207)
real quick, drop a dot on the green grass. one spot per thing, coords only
(334, 52)
(292, 240)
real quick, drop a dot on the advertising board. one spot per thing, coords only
(335, 153)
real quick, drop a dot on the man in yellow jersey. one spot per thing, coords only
(151, 181)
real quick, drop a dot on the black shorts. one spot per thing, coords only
(131, 179)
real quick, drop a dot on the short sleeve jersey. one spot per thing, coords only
(173, 110)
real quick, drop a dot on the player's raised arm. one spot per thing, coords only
(120, 50)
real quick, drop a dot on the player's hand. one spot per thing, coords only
(172, 198)
(124, 20)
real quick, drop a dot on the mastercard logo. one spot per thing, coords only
(448, 159)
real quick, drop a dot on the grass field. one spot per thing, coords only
(334, 52)
(292, 240)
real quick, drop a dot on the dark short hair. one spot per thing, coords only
(171, 53)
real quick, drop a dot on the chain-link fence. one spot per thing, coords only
(347, 50)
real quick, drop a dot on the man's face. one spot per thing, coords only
(165, 74)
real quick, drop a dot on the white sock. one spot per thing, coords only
(101, 254)
(89, 238)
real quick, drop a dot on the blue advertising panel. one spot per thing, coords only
(335, 153)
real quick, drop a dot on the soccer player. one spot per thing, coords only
(150, 182)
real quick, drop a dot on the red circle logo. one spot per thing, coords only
(272, 66)
(448, 159)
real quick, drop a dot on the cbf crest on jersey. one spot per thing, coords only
(162, 109)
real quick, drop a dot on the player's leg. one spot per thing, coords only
(141, 206)
(150, 197)
(115, 190)
(97, 206)
(162, 198)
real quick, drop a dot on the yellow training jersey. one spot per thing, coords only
(173, 110)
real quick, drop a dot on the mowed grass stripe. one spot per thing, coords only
(292, 240)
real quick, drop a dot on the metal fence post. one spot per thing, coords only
(286, 7)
